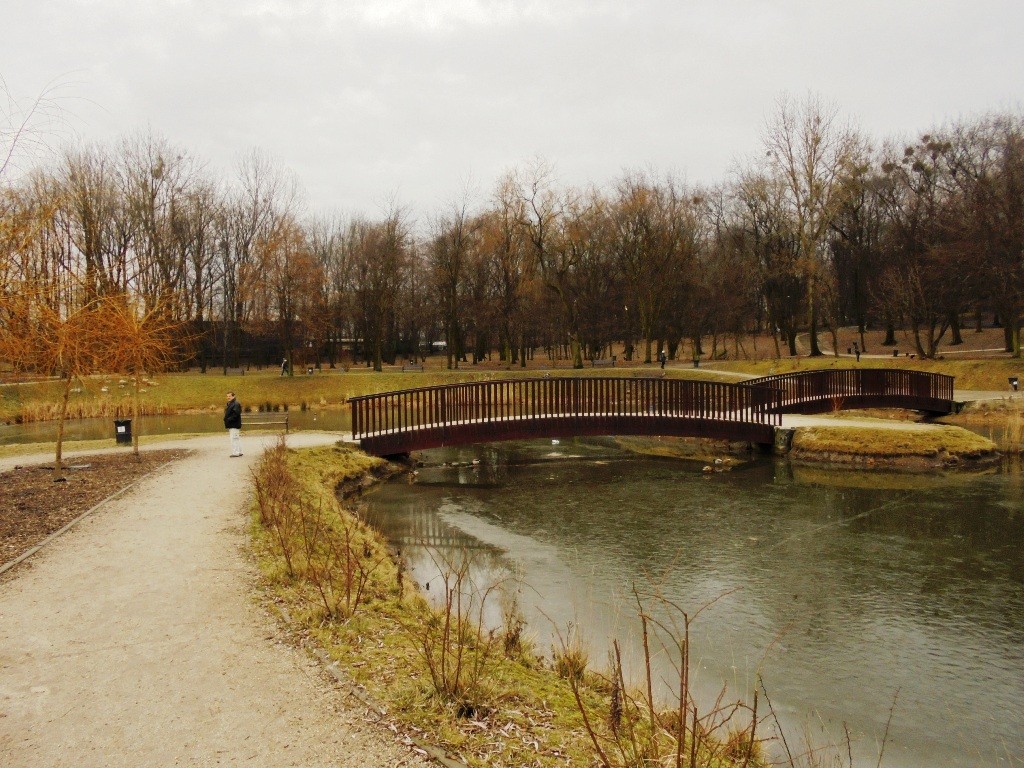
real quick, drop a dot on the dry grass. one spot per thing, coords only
(939, 442)
(106, 396)
(510, 710)
(985, 375)
(638, 731)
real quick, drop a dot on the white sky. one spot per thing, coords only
(418, 99)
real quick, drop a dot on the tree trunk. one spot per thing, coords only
(1011, 331)
(890, 335)
(791, 341)
(135, 417)
(917, 339)
(954, 324)
(61, 421)
(815, 349)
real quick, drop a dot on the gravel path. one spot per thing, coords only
(135, 641)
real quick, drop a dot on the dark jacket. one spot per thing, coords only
(233, 415)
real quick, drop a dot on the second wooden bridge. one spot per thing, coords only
(392, 423)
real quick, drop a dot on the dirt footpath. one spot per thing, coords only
(134, 640)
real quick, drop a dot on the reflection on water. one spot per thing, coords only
(188, 423)
(837, 595)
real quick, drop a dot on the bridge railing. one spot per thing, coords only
(809, 386)
(540, 398)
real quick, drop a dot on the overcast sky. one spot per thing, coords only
(418, 99)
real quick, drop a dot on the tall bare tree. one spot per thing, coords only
(449, 255)
(814, 153)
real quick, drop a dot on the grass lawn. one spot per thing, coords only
(988, 375)
(107, 396)
(170, 393)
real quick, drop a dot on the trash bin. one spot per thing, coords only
(123, 431)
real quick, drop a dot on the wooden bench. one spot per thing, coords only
(234, 371)
(604, 363)
(412, 367)
(265, 419)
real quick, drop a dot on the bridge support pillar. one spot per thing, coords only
(783, 440)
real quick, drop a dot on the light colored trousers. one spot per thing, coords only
(236, 441)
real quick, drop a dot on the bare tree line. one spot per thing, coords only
(821, 231)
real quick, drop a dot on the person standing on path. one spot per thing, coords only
(233, 423)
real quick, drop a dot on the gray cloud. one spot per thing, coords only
(367, 99)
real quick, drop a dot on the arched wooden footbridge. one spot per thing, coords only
(392, 423)
(840, 389)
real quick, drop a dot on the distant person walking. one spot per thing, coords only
(856, 351)
(662, 358)
(284, 367)
(233, 424)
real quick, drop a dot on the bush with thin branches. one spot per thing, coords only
(457, 648)
(321, 545)
(642, 733)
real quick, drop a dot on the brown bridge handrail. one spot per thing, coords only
(579, 397)
(833, 389)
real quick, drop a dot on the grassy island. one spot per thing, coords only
(934, 446)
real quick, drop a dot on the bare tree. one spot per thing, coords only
(657, 229)
(507, 251)
(155, 180)
(194, 231)
(381, 250)
(557, 228)
(813, 153)
(923, 281)
(987, 165)
(95, 221)
(449, 255)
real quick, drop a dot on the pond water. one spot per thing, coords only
(842, 590)
(95, 429)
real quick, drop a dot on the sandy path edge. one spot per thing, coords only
(135, 640)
